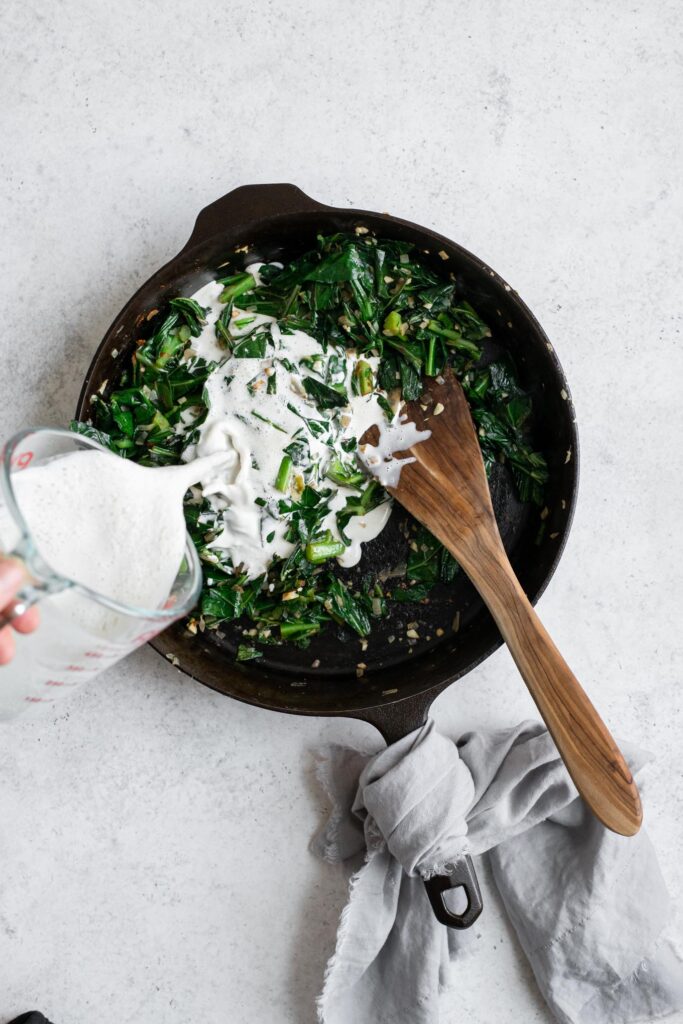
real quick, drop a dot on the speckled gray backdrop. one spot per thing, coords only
(153, 835)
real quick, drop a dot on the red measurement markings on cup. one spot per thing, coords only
(58, 682)
(20, 461)
(40, 700)
(111, 651)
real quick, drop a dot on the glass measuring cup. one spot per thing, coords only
(81, 632)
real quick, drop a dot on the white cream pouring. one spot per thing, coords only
(112, 526)
(105, 522)
(252, 426)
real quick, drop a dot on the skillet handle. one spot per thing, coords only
(394, 721)
(463, 877)
(249, 204)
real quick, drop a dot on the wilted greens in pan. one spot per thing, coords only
(353, 291)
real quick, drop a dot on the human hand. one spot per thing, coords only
(11, 578)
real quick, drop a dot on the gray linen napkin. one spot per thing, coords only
(590, 908)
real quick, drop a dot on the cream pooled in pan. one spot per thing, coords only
(264, 412)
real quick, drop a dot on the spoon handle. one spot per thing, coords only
(589, 752)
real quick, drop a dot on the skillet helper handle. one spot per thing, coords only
(248, 205)
(394, 721)
(463, 877)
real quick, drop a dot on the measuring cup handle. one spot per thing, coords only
(28, 595)
(13, 612)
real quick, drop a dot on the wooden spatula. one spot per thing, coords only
(446, 489)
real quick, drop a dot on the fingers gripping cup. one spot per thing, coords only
(106, 553)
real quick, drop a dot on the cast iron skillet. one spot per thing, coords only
(396, 688)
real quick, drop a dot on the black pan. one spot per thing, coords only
(396, 689)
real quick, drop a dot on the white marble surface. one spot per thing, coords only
(153, 835)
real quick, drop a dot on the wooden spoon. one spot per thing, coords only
(446, 489)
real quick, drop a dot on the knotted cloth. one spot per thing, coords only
(590, 908)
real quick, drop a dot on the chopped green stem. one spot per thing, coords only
(454, 339)
(366, 380)
(318, 551)
(298, 628)
(393, 324)
(430, 370)
(284, 474)
(236, 286)
(290, 301)
(270, 423)
(345, 476)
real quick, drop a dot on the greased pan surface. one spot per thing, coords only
(277, 222)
